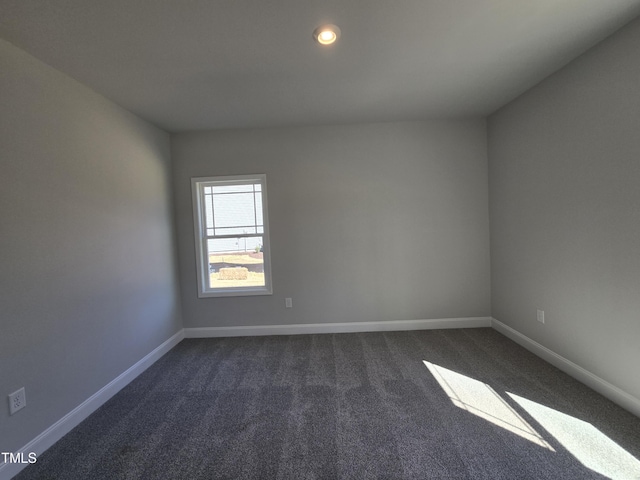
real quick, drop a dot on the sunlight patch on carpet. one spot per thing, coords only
(584, 441)
(483, 401)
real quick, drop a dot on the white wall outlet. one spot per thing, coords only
(541, 316)
(288, 303)
(17, 401)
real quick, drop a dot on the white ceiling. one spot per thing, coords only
(203, 64)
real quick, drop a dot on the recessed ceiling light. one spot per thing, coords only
(326, 34)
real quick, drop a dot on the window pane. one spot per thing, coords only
(234, 210)
(208, 210)
(244, 230)
(258, 198)
(235, 262)
(245, 188)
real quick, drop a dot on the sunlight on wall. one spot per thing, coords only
(482, 400)
(584, 441)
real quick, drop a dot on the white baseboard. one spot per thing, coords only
(350, 327)
(613, 393)
(63, 426)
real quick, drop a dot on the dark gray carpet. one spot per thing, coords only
(351, 406)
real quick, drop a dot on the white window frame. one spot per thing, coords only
(198, 185)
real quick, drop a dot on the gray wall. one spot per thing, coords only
(565, 211)
(87, 278)
(368, 222)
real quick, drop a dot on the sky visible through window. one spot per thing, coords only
(232, 210)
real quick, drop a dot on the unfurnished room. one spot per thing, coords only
(302, 239)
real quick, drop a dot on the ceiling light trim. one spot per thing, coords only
(326, 34)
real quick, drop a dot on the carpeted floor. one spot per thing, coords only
(441, 404)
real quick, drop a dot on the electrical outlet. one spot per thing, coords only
(17, 401)
(288, 303)
(541, 316)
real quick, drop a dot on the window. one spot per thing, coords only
(232, 235)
